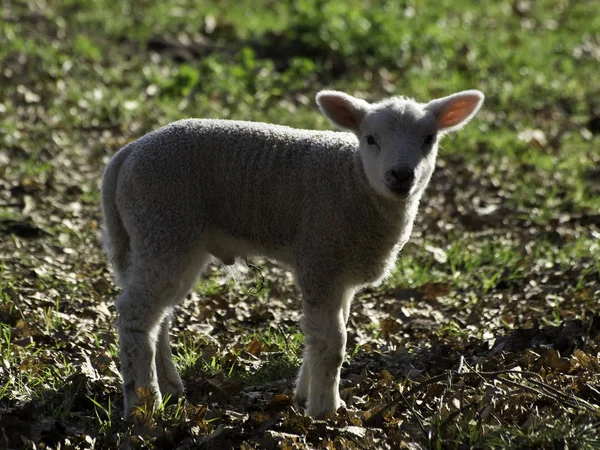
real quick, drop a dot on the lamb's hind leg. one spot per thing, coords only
(169, 380)
(143, 325)
(140, 311)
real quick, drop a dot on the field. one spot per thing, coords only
(487, 335)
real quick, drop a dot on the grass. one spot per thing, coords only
(502, 270)
(258, 358)
(280, 354)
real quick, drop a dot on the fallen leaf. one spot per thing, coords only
(279, 401)
(551, 359)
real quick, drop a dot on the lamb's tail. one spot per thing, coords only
(116, 238)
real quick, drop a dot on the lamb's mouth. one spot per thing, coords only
(400, 191)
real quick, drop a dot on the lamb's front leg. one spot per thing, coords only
(324, 326)
(302, 382)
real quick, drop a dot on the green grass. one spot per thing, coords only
(269, 355)
(506, 245)
(280, 356)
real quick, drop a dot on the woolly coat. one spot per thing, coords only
(243, 188)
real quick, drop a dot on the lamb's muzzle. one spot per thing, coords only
(400, 179)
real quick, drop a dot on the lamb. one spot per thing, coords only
(334, 206)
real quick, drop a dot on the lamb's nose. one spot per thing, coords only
(400, 179)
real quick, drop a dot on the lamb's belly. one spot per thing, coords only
(227, 248)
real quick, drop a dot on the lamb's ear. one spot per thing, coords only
(342, 109)
(456, 110)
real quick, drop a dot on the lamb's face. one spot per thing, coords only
(398, 145)
(398, 138)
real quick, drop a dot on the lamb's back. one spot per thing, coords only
(251, 180)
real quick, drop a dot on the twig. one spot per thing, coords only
(416, 414)
(260, 285)
(541, 389)
(377, 416)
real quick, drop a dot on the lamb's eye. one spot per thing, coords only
(371, 140)
(429, 140)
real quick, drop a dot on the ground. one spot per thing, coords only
(487, 335)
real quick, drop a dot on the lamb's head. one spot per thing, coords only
(398, 137)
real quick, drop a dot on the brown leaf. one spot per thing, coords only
(142, 413)
(101, 286)
(386, 375)
(255, 347)
(584, 360)
(31, 184)
(387, 326)
(277, 439)
(279, 400)
(23, 329)
(260, 417)
(431, 291)
(552, 359)
(298, 423)
(529, 358)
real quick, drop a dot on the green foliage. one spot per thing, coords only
(502, 270)
(84, 47)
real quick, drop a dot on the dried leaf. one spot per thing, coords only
(255, 347)
(551, 359)
(279, 401)
(431, 291)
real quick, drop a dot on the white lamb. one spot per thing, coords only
(336, 207)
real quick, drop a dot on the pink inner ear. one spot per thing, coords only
(339, 111)
(458, 111)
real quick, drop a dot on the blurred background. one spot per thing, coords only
(123, 68)
(503, 269)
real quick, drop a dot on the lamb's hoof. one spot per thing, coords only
(300, 403)
(321, 415)
(171, 391)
